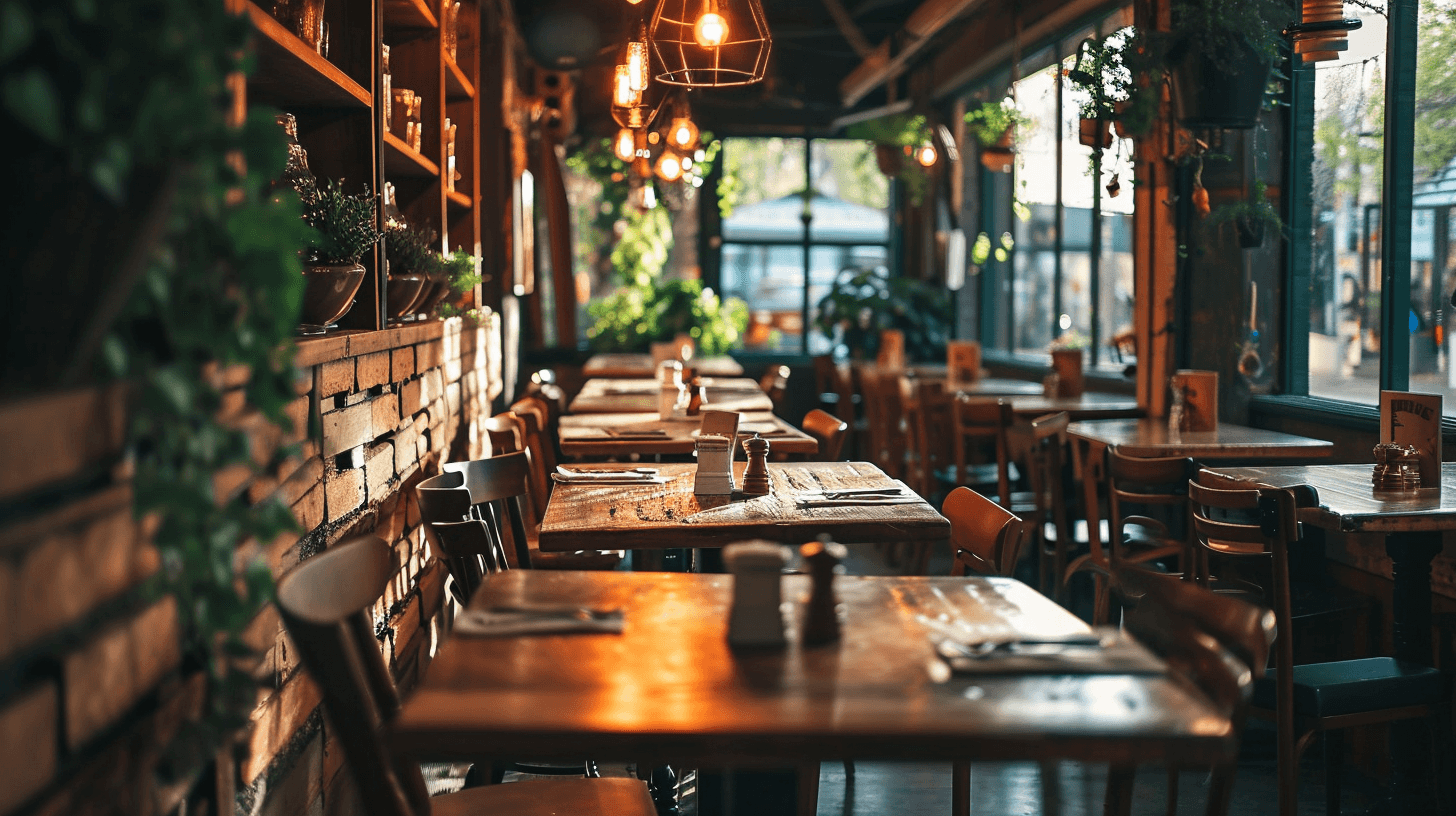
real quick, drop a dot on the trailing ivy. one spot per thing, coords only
(128, 90)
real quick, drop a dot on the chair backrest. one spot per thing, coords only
(513, 433)
(977, 421)
(498, 487)
(774, 382)
(892, 349)
(829, 431)
(540, 431)
(325, 603)
(963, 361)
(444, 498)
(884, 403)
(985, 537)
(505, 433)
(1135, 485)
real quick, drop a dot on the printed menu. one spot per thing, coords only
(1412, 419)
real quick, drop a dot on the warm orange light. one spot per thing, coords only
(622, 94)
(926, 155)
(683, 134)
(637, 64)
(626, 145)
(710, 30)
(669, 167)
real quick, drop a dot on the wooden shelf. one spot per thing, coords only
(457, 199)
(290, 73)
(457, 86)
(402, 160)
(400, 15)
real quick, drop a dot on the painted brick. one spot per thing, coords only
(411, 399)
(347, 429)
(373, 370)
(277, 719)
(336, 377)
(309, 509)
(228, 481)
(385, 417)
(106, 676)
(379, 471)
(300, 790)
(402, 364)
(29, 744)
(307, 476)
(45, 601)
(432, 588)
(343, 493)
(452, 369)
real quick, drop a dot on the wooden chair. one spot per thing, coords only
(829, 431)
(325, 604)
(445, 500)
(1138, 484)
(774, 382)
(975, 423)
(1259, 523)
(1217, 642)
(985, 537)
(1046, 446)
(884, 393)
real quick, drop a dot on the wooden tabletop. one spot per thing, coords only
(1091, 405)
(641, 365)
(651, 516)
(668, 688)
(1151, 437)
(592, 434)
(1346, 499)
(627, 396)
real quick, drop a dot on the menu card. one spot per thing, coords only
(1412, 419)
(892, 349)
(963, 358)
(1195, 399)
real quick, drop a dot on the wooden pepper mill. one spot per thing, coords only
(755, 476)
(821, 617)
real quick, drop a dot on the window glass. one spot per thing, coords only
(1034, 265)
(1433, 219)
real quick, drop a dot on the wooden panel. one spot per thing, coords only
(669, 688)
(656, 516)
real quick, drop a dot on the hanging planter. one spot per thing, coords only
(890, 158)
(1227, 93)
(1250, 231)
(1001, 156)
(994, 126)
(1095, 133)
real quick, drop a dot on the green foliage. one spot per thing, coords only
(902, 130)
(1103, 75)
(1258, 210)
(1435, 89)
(122, 90)
(643, 312)
(460, 266)
(642, 248)
(990, 121)
(982, 251)
(410, 250)
(344, 223)
(864, 302)
(1216, 28)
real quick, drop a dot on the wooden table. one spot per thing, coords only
(651, 516)
(1091, 405)
(1148, 438)
(641, 365)
(590, 434)
(626, 396)
(1342, 498)
(668, 688)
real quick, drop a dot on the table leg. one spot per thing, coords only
(1410, 566)
(1093, 456)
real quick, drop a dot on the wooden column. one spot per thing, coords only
(1155, 247)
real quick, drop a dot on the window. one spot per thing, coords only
(1342, 125)
(768, 242)
(1066, 275)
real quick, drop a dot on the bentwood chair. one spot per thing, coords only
(829, 431)
(774, 382)
(1218, 642)
(985, 537)
(1256, 523)
(325, 604)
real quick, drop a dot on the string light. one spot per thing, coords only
(683, 134)
(623, 96)
(669, 166)
(926, 155)
(626, 144)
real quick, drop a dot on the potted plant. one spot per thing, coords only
(993, 124)
(1067, 353)
(460, 277)
(1100, 73)
(1252, 219)
(344, 225)
(411, 261)
(896, 137)
(862, 303)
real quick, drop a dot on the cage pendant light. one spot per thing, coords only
(710, 43)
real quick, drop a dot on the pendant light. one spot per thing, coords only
(669, 166)
(682, 132)
(926, 155)
(710, 43)
(625, 145)
(638, 62)
(623, 94)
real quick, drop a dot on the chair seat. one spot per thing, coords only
(1354, 686)
(549, 797)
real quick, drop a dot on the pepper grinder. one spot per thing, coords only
(821, 617)
(756, 618)
(755, 476)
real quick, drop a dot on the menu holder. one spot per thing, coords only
(963, 359)
(892, 349)
(1414, 420)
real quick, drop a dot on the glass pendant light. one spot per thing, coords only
(926, 155)
(625, 145)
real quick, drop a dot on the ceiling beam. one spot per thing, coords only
(886, 63)
(846, 26)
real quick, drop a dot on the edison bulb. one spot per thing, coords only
(626, 146)
(683, 133)
(710, 30)
(926, 155)
(687, 163)
(622, 94)
(637, 65)
(669, 167)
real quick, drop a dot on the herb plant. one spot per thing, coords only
(991, 120)
(411, 251)
(344, 223)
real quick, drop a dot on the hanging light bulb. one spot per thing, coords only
(926, 155)
(687, 162)
(683, 134)
(637, 61)
(623, 96)
(649, 197)
(710, 29)
(669, 166)
(626, 144)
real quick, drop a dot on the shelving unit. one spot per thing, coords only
(338, 102)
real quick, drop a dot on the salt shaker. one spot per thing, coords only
(714, 476)
(757, 617)
(669, 384)
(755, 476)
(821, 617)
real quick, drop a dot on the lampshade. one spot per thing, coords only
(710, 43)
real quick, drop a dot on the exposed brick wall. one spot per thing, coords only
(91, 686)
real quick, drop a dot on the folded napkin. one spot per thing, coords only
(1114, 653)
(633, 433)
(629, 476)
(538, 620)
(811, 500)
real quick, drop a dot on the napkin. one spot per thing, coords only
(854, 501)
(1115, 654)
(538, 620)
(635, 433)
(632, 476)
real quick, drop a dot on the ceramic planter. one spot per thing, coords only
(1207, 95)
(436, 289)
(999, 158)
(404, 292)
(1095, 133)
(328, 294)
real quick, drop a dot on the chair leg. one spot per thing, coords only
(960, 789)
(808, 789)
(1119, 791)
(1334, 747)
(1051, 789)
(1172, 801)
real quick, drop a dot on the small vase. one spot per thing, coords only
(404, 292)
(1067, 364)
(328, 294)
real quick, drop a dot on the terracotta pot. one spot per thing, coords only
(328, 294)
(404, 293)
(998, 159)
(890, 158)
(1095, 133)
